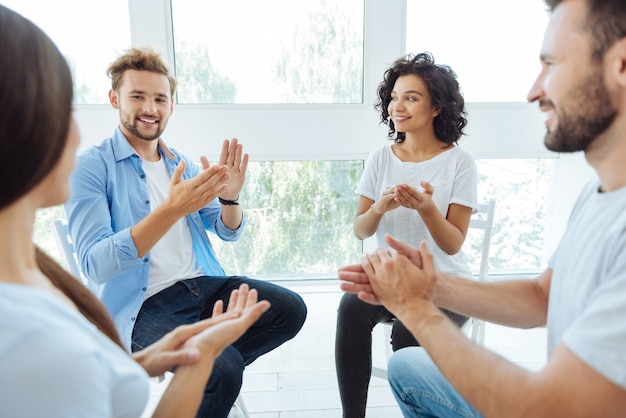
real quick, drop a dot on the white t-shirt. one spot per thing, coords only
(587, 307)
(453, 177)
(56, 364)
(172, 257)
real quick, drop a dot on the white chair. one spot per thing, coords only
(483, 222)
(68, 255)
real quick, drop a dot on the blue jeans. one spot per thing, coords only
(191, 300)
(421, 390)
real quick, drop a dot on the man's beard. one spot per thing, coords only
(130, 126)
(588, 112)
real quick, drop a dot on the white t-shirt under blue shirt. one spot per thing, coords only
(587, 307)
(454, 179)
(56, 364)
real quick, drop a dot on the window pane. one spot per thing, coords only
(521, 189)
(492, 45)
(279, 51)
(88, 43)
(300, 216)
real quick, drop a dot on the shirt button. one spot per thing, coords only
(132, 319)
(143, 288)
(145, 260)
(147, 202)
(143, 176)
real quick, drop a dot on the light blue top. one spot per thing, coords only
(587, 306)
(109, 196)
(56, 364)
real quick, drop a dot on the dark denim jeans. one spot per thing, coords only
(353, 348)
(191, 300)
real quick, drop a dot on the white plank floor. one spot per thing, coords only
(297, 380)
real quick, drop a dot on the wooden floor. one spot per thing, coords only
(297, 380)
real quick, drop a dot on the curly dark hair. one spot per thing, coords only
(444, 90)
(605, 23)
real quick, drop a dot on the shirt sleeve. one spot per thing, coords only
(465, 185)
(90, 223)
(367, 183)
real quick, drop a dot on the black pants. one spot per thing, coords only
(353, 348)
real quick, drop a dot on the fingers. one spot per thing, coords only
(218, 308)
(205, 162)
(428, 260)
(428, 188)
(232, 155)
(177, 175)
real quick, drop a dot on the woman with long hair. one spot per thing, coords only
(60, 354)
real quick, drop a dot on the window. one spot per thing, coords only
(300, 216)
(522, 191)
(280, 51)
(492, 45)
(88, 42)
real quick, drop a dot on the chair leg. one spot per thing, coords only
(242, 406)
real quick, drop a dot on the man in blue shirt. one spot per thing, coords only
(138, 216)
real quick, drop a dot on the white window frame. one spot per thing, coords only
(336, 132)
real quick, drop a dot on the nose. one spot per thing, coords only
(536, 90)
(149, 106)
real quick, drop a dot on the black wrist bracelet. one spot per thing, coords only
(229, 202)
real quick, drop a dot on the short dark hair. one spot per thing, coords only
(444, 90)
(605, 23)
(140, 59)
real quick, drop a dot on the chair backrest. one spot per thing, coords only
(483, 220)
(68, 254)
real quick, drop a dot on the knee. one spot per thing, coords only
(410, 367)
(289, 310)
(350, 307)
(227, 374)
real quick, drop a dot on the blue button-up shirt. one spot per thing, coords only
(109, 196)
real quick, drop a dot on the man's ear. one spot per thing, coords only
(618, 62)
(114, 99)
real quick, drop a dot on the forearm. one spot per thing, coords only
(366, 224)
(184, 394)
(147, 232)
(232, 215)
(446, 235)
(515, 303)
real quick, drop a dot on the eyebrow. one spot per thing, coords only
(143, 92)
(409, 92)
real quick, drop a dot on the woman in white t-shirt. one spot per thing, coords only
(420, 187)
(60, 354)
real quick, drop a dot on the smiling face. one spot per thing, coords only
(411, 108)
(570, 88)
(144, 103)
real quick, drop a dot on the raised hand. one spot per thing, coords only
(398, 282)
(191, 195)
(185, 344)
(354, 280)
(386, 202)
(412, 198)
(236, 162)
(245, 307)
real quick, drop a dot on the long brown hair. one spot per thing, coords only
(36, 101)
